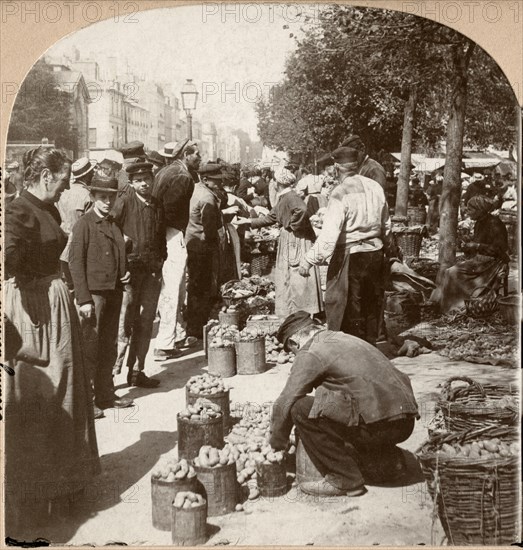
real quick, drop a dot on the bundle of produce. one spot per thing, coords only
(261, 305)
(210, 457)
(266, 234)
(472, 477)
(235, 291)
(248, 334)
(222, 336)
(206, 384)
(169, 469)
(274, 352)
(430, 247)
(203, 409)
(188, 499)
(264, 284)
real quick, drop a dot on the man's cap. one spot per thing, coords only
(325, 160)
(345, 155)
(134, 149)
(13, 165)
(212, 171)
(292, 324)
(110, 164)
(351, 140)
(104, 183)
(156, 158)
(173, 149)
(137, 168)
(81, 167)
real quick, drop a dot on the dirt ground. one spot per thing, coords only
(117, 507)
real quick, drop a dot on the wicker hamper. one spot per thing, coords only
(261, 264)
(477, 499)
(417, 215)
(409, 240)
(482, 302)
(476, 406)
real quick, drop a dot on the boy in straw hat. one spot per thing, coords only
(97, 264)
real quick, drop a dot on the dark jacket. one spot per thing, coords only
(491, 235)
(204, 221)
(355, 383)
(373, 170)
(173, 187)
(96, 257)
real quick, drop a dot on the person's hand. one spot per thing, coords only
(243, 221)
(304, 269)
(86, 311)
(126, 278)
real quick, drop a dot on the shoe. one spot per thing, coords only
(323, 488)
(98, 413)
(189, 342)
(167, 354)
(118, 403)
(141, 380)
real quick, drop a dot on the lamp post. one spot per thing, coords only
(189, 99)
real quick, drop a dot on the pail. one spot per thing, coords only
(271, 479)
(193, 434)
(222, 361)
(189, 525)
(221, 399)
(162, 495)
(220, 488)
(250, 356)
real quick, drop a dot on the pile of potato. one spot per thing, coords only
(206, 384)
(254, 426)
(486, 448)
(173, 470)
(203, 409)
(222, 336)
(209, 457)
(248, 334)
(274, 352)
(188, 499)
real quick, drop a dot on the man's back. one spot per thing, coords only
(373, 170)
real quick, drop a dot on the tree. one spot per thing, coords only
(42, 110)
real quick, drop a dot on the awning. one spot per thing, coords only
(480, 163)
(422, 163)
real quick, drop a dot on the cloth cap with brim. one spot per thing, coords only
(345, 155)
(173, 149)
(134, 149)
(104, 184)
(110, 165)
(212, 171)
(292, 324)
(81, 167)
(352, 141)
(156, 158)
(139, 168)
(325, 160)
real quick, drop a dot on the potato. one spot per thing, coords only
(253, 493)
(491, 446)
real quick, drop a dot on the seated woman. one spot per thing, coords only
(487, 261)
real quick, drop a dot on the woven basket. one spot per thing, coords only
(482, 302)
(476, 406)
(417, 215)
(410, 243)
(261, 264)
(228, 300)
(476, 498)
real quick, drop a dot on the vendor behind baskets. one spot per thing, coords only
(363, 407)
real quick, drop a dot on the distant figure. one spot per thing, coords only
(366, 166)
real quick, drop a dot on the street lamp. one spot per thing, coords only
(189, 99)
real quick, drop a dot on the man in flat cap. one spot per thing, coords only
(109, 168)
(132, 152)
(173, 188)
(356, 227)
(203, 245)
(157, 160)
(362, 408)
(366, 166)
(140, 217)
(73, 204)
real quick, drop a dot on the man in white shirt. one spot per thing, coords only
(356, 227)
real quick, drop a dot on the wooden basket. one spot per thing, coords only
(475, 406)
(476, 498)
(482, 302)
(417, 215)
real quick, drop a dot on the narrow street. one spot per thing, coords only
(118, 507)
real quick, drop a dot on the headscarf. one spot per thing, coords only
(284, 177)
(481, 204)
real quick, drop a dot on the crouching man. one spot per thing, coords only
(363, 406)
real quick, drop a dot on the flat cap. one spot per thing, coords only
(212, 171)
(344, 155)
(134, 149)
(292, 324)
(351, 141)
(156, 158)
(100, 182)
(137, 168)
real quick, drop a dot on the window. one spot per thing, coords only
(92, 138)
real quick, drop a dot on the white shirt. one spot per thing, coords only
(357, 214)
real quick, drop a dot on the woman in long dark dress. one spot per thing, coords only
(488, 261)
(50, 441)
(293, 292)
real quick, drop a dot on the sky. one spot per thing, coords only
(233, 52)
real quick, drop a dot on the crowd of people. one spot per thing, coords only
(94, 252)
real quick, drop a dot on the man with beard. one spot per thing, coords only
(173, 188)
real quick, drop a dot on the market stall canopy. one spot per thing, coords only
(422, 163)
(475, 160)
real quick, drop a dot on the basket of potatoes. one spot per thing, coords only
(473, 478)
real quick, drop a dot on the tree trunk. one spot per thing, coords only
(402, 193)
(451, 191)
